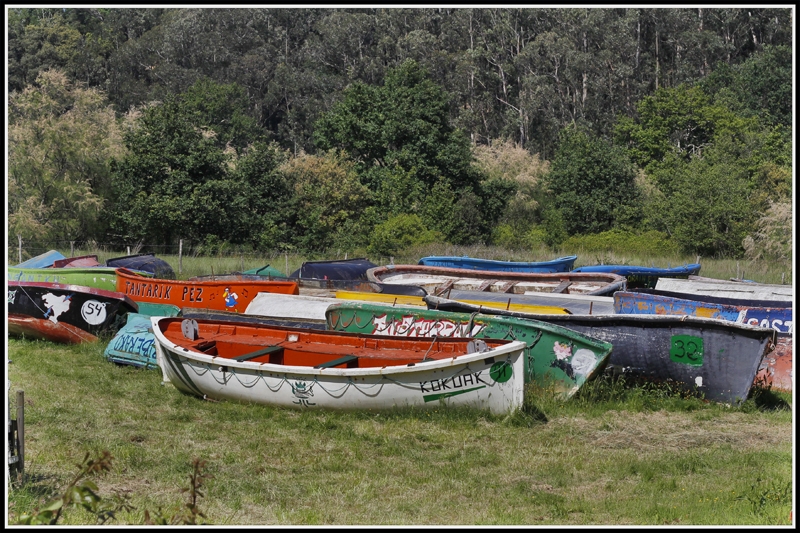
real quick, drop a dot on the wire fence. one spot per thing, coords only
(182, 250)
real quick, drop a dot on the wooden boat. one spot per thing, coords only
(715, 358)
(419, 301)
(64, 313)
(221, 295)
(561, 264)
(642, 276)
(555, 358)
(309, 369)
(134, 343)
(157, 267)
(439, 280)
(579, 304)
(81, 261)
(727, 289)
(42, 260)
(104, 278)
(775, 370)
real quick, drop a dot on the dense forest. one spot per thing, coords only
(301, 129)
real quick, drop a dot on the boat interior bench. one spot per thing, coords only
(275, 355)
(350, 360)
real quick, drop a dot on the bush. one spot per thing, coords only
(398, 233)
(649, 243)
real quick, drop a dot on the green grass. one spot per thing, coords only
(617, 453)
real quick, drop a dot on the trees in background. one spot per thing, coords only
(63, 139)
(241, 124)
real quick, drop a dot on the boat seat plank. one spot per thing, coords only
(336, 362)
(441, 289)
(269, 350)
(509, 287)
(486, 284)
(563, 286)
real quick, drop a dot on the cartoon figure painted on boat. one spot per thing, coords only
(230, 298)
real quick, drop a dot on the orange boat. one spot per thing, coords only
(225, 295)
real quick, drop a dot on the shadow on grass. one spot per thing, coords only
(767, 399)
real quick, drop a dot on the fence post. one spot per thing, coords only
(286, 257)
(129, 250)
(21, 433)
(180, 257)
(19, 239)
(72, 248)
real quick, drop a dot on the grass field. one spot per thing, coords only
(616, 454)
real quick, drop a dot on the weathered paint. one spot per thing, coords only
(555, 357)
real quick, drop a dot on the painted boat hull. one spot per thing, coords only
(65, 313)
(561, 264)
(134, 343)
(439, 280)
(642, 276)
(44, 260)
(296, 375)
(727, 289)
(555, 358)
(716, 358)
(775, 370)
(220, 295)
(104, 278)
(81, 261)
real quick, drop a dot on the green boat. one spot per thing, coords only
(556, 358)
(98, 277)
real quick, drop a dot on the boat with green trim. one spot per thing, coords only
(555, 358)
(99, 277)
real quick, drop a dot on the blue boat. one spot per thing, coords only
(44, 260)
(642, 276)
(561, 264)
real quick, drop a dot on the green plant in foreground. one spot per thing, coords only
(82, 492)
(761, 495)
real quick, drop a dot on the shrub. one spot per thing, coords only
(398, 233)
(649, 243)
